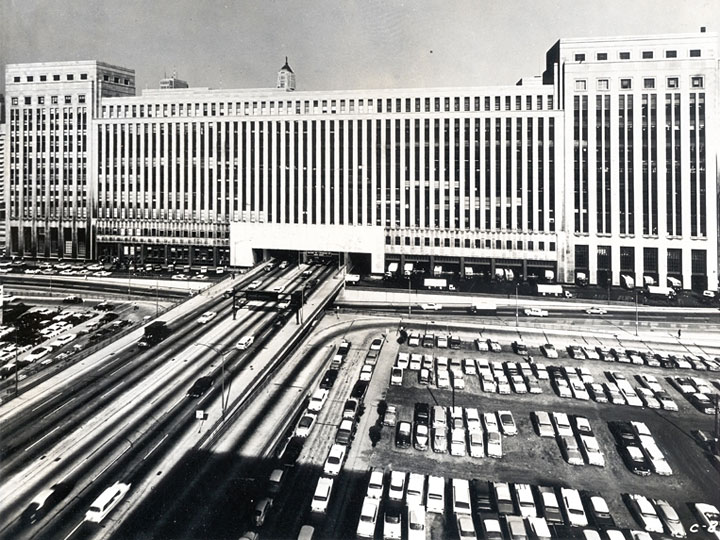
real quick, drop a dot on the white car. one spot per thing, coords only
(375, 484)
(595, 310)
(305, 425)
(416, 522)
(507, 422)
(476, 443)
(458, 380)
(651, 382)
(396, 376)
(64, 340)
(435, 501)
(396, 490)
(648, 398)
(392, 523)
(335, 459)
(670, 518)
(535, 312)
(431, 307)
(573, 507)
(108, 500)
(366, 373)
(443, 378)
(548, 349)
(368, 518)
(494, 444)
(317, 400)
(415, 490)
(644, 513)
(403, 360)
(255, 284)
(321, 497)
(562, 424)
(457, 442)
(709, 517)
(207, 317)
(591, 449)
(491, 423)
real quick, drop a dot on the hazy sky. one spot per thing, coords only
(331, 44)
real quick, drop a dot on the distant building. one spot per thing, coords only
(605, 170)
(172, 82)
(286, 77)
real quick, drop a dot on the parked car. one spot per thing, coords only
(670, 518)
(644, 512)
(403, 434)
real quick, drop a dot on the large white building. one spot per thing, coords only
(606, 166)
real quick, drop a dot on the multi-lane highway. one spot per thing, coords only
(116, 421)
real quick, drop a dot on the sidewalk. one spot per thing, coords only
(416, 297)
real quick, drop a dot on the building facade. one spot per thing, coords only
(604, 168)
(50, 192)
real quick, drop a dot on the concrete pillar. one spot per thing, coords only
(492, 268)
(524, 269)
(462, 267)
(215, 255)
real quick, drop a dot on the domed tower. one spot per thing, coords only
(286, 77)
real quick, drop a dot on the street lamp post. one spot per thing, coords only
(223, 355)
(637, 315)
(516, 306)
(409, 296)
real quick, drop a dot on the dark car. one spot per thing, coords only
(329, 379)
(105, 306)
(634, 459)
(292, 451)
(359, 390)
(200, 386)
(344, 348)
(550, 505)
(597, 510)
(403, 434)
(108, 317)
(520, 348)
(623, 432)
(422, 414)
(72, 300)
(481, 493)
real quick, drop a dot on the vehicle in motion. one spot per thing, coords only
(535, 312)
(207, 317)
(200, 386)
(431, 307)
(321, 497)
(155, 332)
(245, 342)
(305, 425)
(596, 310)
(108, 500)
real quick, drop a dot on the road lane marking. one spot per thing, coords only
(156, 446)
(60, 407)
(75, 529)
(41, 438)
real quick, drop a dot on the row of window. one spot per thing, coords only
(648, 83)
(646, 55)
(71, 77)
(468, 243)
(398, 105)
(54, 100)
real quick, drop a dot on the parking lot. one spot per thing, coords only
(527, 457)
